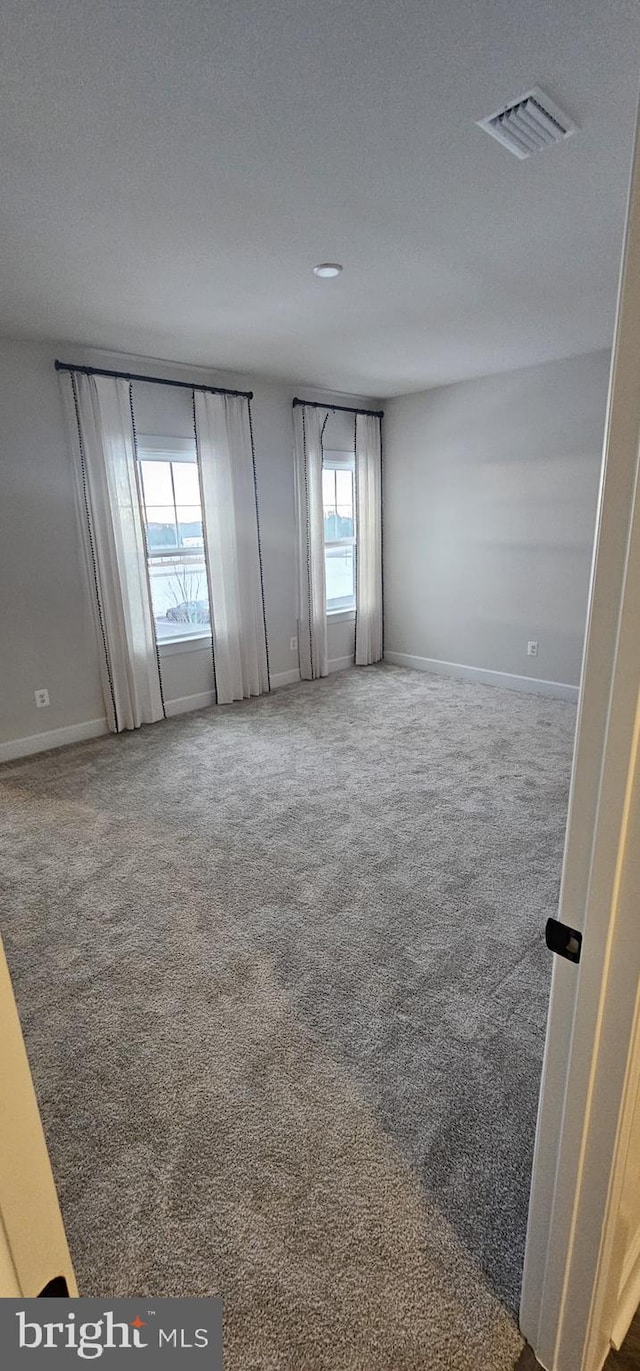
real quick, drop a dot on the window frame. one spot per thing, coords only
(333, 460)
(150, 447)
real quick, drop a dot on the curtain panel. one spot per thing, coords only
(226, 462)
(100, 421)
(368, 464)
(309, 426)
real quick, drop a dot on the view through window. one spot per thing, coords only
(175, 545)
(338, 497)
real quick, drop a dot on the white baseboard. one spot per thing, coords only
(207, 697)
(187, 702)
(283, 678)
(528, 684)
(55, 737)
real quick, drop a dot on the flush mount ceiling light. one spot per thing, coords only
(327, 269)
(529, 124)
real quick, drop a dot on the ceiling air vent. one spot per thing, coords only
(529, 124)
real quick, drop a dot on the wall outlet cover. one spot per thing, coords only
(41, 698)
(293, 644)
(532, 649)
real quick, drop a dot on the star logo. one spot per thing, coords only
(138, 1322)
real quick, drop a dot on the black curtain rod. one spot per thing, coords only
(156, 380)
(344, 409)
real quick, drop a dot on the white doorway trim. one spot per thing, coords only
(567, 1310)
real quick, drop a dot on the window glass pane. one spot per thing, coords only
(173, 515)
(161, 526)
(328, 489)
(156, 483)
(338, 497)
(340, 569)
(329, 503)
(185, 480)
(344, 490)
(190, 525)
(343, 522)
(179, 595)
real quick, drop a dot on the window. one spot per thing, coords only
(338, 498)
(170, 491)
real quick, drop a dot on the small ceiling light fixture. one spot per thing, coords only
(326, 269)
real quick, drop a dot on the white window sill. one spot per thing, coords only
(167, 647)
(339, 616)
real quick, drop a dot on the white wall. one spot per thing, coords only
(489, 518)
(47, 634)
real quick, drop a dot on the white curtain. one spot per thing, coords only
(102, 435)
(369, 544)
(232, 545)
(312, 617)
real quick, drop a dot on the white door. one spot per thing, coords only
(573, 1261)
(33, 1246)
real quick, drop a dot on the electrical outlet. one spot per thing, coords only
(42, 698)
(532, 649)
(293, 644)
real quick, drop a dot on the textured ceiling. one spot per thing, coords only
(171, 170)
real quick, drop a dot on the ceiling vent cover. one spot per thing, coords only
(529, 124)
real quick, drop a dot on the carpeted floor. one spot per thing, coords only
(282, 977)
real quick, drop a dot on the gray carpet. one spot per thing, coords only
(282, 977)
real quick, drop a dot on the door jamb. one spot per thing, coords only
(592, 1008)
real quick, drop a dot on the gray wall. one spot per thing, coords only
(490, 500)
(47, 637)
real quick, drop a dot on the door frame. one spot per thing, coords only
(568, 1305)
(33, 1244)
